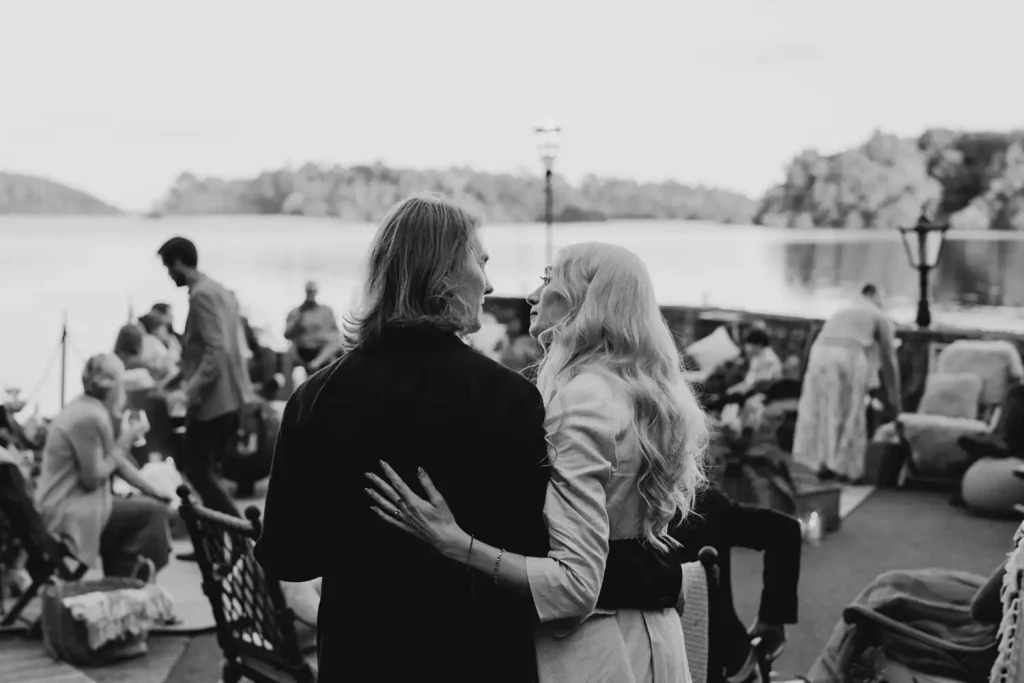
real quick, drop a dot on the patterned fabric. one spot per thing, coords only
(831, 425)
(1009, 665)
(694, 618)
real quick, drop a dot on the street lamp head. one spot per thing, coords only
(923, 242)
(548, 135)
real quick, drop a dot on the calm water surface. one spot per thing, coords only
(97, 269)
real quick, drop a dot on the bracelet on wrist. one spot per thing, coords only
(497, 565)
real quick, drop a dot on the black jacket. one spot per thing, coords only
(392, 609)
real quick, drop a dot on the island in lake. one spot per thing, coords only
(975, 180)
(25, 194)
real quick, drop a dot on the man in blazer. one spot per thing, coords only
(217, 381)
(410, 391)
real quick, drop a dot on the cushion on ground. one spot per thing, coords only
(952, 395)
(933, 441)
(990, 488)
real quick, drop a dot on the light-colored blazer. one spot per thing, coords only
(593, 498)
(211, 356)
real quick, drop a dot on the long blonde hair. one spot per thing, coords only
(615, 324)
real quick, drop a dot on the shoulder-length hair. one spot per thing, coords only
(129, 342)
(615, 326)
(416, 259)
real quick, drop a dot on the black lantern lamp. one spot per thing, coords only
(923, 244)
(548, 137)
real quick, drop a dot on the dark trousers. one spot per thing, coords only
(138, 527)
(730, 643)
(206, 445)
(1010, 427)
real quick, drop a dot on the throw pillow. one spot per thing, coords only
(713, 350)
(951, 395)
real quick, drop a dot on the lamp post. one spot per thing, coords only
(548, 135)
(923, 244)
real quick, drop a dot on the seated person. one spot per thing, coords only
(74, 495)
(763, 366)
(719, 522)
(313, 332)
(135, 353)
(159, 346)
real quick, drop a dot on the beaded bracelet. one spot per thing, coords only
(497, 564)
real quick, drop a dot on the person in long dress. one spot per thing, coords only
(831, 426)
(409, 389)
(627, 444)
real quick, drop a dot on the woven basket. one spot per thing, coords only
(67, 639)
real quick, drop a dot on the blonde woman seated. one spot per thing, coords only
(627, 440)
(74, 494)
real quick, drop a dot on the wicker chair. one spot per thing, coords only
(859, 658)
(1009, 664)
(255, 627)
(700, 580)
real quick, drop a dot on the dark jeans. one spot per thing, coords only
(138, 526)
(206, 445)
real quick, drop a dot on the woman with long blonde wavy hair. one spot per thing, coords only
(627, 443)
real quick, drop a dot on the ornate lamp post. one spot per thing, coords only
(548, 135)
(923, 244)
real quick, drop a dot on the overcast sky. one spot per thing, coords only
(117, 97)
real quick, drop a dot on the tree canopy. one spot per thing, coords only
(23, 194)
(973, 180)
(365, 193)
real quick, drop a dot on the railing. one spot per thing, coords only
(792, 336)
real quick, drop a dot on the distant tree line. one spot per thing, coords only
(973, 180)
(365, 193)
(22, 194)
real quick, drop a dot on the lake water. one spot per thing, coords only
(96, 269)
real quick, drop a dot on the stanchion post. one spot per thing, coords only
(63, 357)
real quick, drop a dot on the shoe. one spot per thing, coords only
(747, 673)
(983, 446)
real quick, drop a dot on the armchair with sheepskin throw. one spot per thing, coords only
(962, 395)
